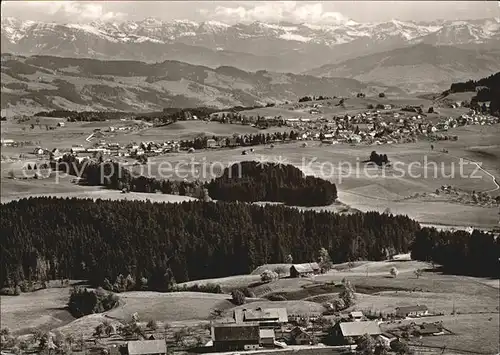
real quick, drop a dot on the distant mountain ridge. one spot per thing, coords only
(41, 83)
(421, 67)
(285, 47)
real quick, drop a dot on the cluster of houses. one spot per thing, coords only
(266, 328)
(249, 329)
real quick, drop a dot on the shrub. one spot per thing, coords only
(277, 298)
(83, 302)
(268, 276)
(238, 297)
(206, 288)
(152, 325)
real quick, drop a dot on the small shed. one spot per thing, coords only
(211, 143)
(307, 269)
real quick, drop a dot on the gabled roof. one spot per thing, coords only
(350, 329)
(147, 347)
(235, 332)
(356, 314)
(388, 335)
(409, 309)
(297, 331)
(306, 267)
(261, 314)
(429, 328)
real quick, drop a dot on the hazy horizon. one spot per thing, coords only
(319, 12)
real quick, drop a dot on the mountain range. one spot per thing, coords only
(417, 68)
(39, 83)
(284, 47)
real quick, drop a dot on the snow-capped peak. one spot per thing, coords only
(190, 32)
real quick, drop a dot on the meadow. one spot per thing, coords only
(467, 306)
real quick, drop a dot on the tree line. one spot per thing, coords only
(247, 181)
(487, 89)
(240, 140)
(87, 116)
(461, 252)
(251, 182)
(160, 244)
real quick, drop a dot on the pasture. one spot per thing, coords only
(472, 333)
(17, 189)
(44, 309)
(175, 306)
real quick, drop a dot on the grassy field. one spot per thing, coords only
(43, 309)
(472, 333)
(16, 189)
(227, 283)
(176, 306)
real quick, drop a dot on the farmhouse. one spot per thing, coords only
(300, 337)
(147, 347)
(349, 332)
(7, 142)
(429, 329)
(387, 338)
(307, 269)
(211, 143)
(356, 316)
(231, 337)
(267, 337)
(412, 311)
(265, 318)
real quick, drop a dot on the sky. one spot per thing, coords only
(314, 12)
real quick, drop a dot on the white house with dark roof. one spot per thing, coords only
(147, 347)
(349, 332)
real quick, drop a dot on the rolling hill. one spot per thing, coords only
(31, 84)
(420, 67)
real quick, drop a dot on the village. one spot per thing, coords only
(383, 124)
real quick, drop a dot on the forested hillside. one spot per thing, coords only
(251, 182)
(247, 181)
(49, 238)
(459, 252)
(488, 89)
